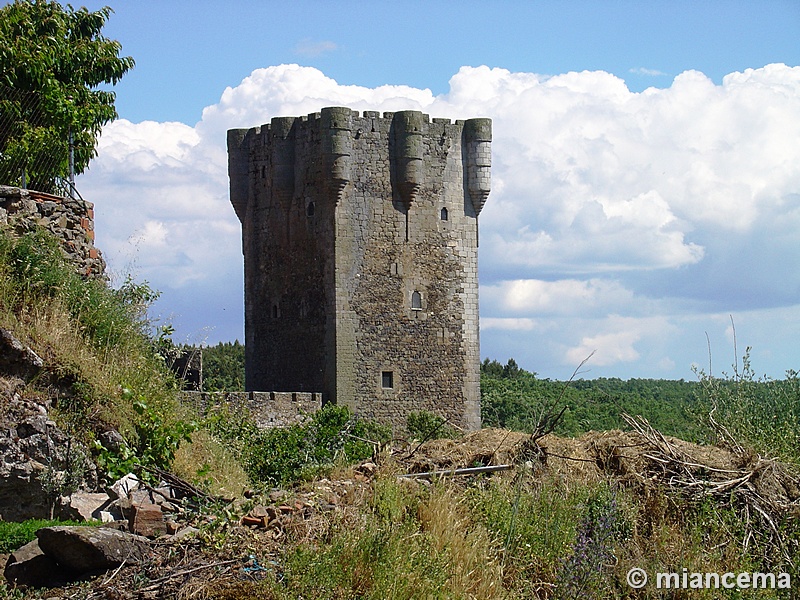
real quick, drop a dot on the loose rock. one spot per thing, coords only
(86, 549)
(30, 566)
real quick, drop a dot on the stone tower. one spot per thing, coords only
(360, 241)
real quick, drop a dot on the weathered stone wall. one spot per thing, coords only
(268, 409)
(70, 220)
(360, 239)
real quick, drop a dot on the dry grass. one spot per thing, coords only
(89, 379)
(206, 462)
(475, 570)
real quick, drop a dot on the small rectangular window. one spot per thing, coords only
(387, 380)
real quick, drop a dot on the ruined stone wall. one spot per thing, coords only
(268, 409)
(70, 220)
(360, 244)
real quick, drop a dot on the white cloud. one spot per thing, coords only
(508, 324)
(606, 349)
(647, 72)
(314, 48)
(662, 203)
(616, 341)
(562, 297)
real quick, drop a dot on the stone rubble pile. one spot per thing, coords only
(134, 514)
(326, 495)
(38, 458)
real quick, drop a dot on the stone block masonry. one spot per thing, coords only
(267, 409)
(360, 242)
(68, 219)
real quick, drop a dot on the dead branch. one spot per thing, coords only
(761, 503)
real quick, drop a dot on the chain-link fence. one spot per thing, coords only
(35, 153)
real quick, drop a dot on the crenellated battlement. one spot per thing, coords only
(360, 240)
(339, 132)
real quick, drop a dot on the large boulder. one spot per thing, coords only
(31, 567)
(17, 359)
(86, 549)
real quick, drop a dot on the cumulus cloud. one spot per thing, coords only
(562, 297)
(616, 341)
(624, 212)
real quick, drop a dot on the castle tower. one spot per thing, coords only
(360, 242)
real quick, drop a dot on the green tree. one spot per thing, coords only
(223, 367)
(53, 62)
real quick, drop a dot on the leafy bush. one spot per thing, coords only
(157, 441)
(282, 455)
(300, 451)
(424, 425)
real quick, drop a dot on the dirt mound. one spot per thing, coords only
(480, 448)
(617, 453)
(764, 492)
(642, 456)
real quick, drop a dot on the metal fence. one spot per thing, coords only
(34, 152)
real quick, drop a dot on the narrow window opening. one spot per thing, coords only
(416, 301)
(310, 209)
(274, 311)
(263, 172)
(444, 214)
(387, 380)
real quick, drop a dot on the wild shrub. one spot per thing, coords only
(287, 454)
(157, 440)
(586, 571)
(423, 425)
(761, 414)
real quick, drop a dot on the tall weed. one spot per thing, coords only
(412, 543)
(762, 414)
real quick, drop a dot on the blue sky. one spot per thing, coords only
(187, 52)
(646, 179)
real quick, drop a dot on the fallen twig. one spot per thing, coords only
(156, 583)
(464, 471)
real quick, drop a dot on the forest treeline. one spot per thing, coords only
(514, 398)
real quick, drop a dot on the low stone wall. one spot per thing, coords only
(268, 409)
(70, 220)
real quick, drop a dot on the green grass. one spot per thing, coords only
(16, 535)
